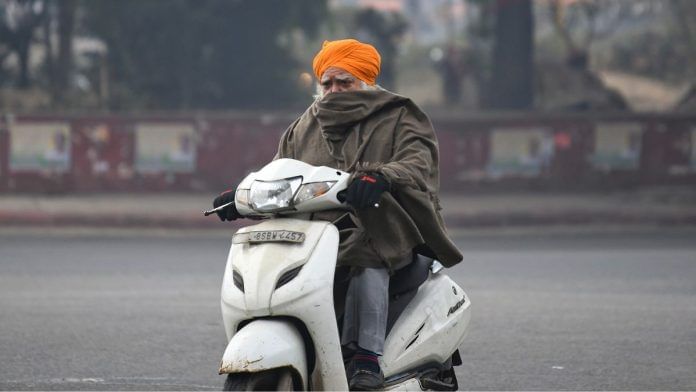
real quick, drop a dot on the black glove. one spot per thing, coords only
(230, 212)
(366, 190)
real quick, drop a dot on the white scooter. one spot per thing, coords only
(277, 295)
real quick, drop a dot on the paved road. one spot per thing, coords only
(552, 310)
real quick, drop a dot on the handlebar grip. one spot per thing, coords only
(341, 196)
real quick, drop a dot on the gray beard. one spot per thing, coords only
(319, 94)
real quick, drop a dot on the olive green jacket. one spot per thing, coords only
(377, 131)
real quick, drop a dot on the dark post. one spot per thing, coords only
(66, 28)
(512, 84)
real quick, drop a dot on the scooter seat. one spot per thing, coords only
(411, 276)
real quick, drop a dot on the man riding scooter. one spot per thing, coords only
(388, 145)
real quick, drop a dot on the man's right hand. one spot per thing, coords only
(230, 212)
(366, 190)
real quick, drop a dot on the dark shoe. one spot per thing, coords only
(349, 365)
(365, 380)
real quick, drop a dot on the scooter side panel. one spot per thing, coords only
(430, 329)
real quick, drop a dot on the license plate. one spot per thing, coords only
(263, 236)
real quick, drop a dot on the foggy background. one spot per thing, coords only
(546, 55)
(567, 136)
(191, 95)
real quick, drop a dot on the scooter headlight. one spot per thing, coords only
(242, 197)
(312, 190)
(269, 196)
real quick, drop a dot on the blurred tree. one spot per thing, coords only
(513, 55)
(482, 27)
(685, 14)
(577, 50)
(19, 20)
(64, 61)
(578, 25)
(656, 39)
(5, 52)
(452, 67)
(385, 30)
(179, 54)
(480, 34)
(59, 21)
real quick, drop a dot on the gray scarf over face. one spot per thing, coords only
(377, 131)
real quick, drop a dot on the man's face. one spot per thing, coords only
(336, 80)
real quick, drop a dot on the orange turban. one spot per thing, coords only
(361, 60)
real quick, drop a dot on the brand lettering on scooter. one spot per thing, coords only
(456, 306)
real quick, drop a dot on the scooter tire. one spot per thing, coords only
(267, 380)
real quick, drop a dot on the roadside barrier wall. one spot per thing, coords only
(213, 151)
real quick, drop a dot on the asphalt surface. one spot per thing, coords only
(552, 310)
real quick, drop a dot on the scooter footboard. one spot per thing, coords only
(265, 344)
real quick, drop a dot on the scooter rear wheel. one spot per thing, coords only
(267, 380)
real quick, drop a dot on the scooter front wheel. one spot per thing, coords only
(267, 380)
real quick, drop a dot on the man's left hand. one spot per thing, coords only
(230, 212)
(366, 190)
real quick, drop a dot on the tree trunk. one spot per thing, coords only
(49, 57)
(22, 50)
(66, 28)
(513, 73)
(683, 13)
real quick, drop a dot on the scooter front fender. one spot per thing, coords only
(266, 344)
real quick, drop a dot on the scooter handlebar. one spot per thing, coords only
(216, 209)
